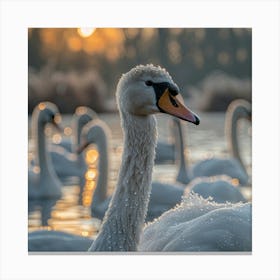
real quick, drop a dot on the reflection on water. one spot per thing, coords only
(72, 213)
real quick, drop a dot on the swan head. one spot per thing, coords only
(84, 115)
(94, 132)
(149, 89)
(47, 112)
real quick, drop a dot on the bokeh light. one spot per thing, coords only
(86, 31)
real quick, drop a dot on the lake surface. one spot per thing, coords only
(71, 213)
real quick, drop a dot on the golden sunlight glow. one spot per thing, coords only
(42, 106)
(86, 31)
(235, 182)
(56, 138)
(85, 233)
(81, 110)
(36, 169)
(74, 43)
(67, 131)
(91, 174)
(57, 118)
(91, 156)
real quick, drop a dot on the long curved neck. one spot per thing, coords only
(100, 193)
(182, 175)
(77, 127)
(231, 130)
(125, 216)
(42, 157)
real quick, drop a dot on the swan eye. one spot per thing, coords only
(149, 83)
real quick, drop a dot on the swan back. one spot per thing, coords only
(200, 225)
(219, 188)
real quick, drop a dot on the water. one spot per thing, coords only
(72, 213)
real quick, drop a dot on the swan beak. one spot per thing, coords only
(174, 105)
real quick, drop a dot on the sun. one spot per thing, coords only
(85, 31)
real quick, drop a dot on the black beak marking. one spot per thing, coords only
(173, 101)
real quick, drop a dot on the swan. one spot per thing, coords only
(82, 116)
(233, 166)
(142, 92)
(67, 162)
(163, 196)
(42, 179)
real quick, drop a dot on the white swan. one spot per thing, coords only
(141, 92)
(82, 116)
(66, 162)
(42, 179)
(233, 166)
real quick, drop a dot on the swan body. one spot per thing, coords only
(42, 179)
(57, 241)
(200, 225)
(219, 188)
(67, 164)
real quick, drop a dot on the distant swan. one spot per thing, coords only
(65, 160)
(82, 116)
(233, 166)
(42, 179)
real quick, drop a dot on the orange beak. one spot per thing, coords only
(171, 105)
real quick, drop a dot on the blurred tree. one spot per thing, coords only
(189, 54)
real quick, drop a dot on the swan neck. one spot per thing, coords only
(125, 216)
(42, 156)
(232, 133)
(182, 175)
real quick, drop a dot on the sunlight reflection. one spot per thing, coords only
(36, 169)
(91, 156)
(67, 131)
(235, 182)
(42, 106)
(56, 138)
